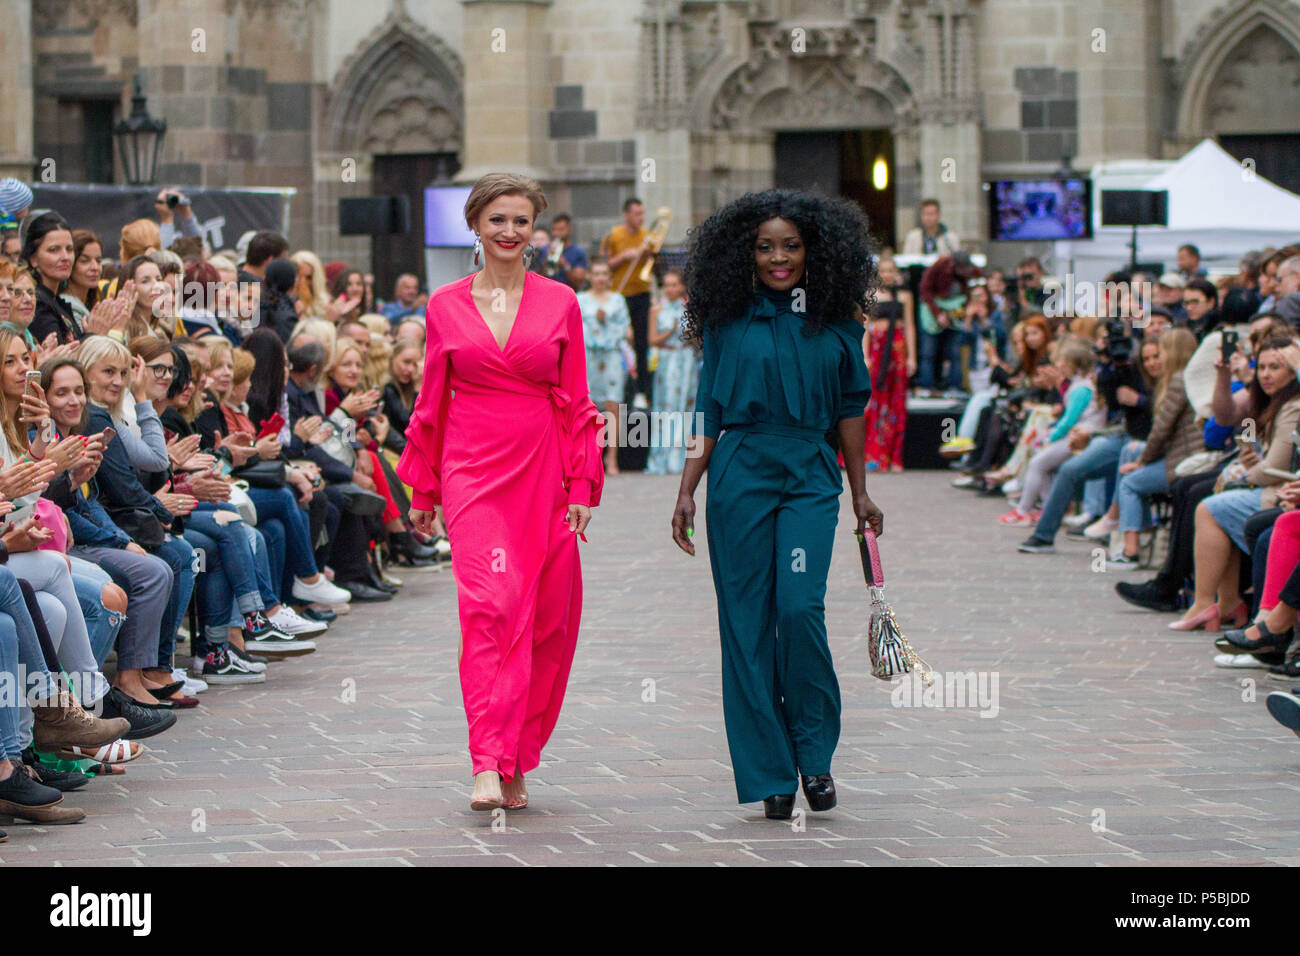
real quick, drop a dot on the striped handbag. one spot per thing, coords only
(891, 654)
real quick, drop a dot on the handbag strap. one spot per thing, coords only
(870, 553)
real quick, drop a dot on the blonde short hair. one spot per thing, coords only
(495, 185)
(243, 362)
(98, 348)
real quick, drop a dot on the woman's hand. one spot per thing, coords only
(1247, 459)
(27, 536)
(134, 548)
(1239, 365)
(179, 505)
(340, 307)
(33, 410)
(684, 523)
(311, 429)
(140, 376)
(422, 520)
(365, 464)
(379, 426)
(209, 487)
(358, 403)
(1127, 396)
(268, 448)
(25, 478)
(363, 480)
(301, 482)
(202, 461)
(579, 518)
(1128, 468)
(868, 514)
(66, 453)
(240, 445)
(181, 450)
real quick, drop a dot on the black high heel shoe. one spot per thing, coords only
(779, 806)
(1236, 641)
(819, 791)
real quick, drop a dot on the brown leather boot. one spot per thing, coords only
(62, 722)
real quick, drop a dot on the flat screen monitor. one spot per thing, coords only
(1037, 209)
(444, 216)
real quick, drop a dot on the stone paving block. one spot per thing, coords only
(1105, 709)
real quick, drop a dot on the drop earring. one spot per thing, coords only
(478, 247)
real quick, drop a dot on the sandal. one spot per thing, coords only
(119, 751)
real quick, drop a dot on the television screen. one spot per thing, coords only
(1040, 209)
(444, 216)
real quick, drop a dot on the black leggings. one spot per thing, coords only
(42, 632)
(1180, 561)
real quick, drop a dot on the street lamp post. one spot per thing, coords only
(139, 141)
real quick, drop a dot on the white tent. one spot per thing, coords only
(1214, 203)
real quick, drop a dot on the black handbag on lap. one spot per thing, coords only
(142, 525)
(262, 474)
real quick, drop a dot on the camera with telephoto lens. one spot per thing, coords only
(176, 199)
(1119, 345)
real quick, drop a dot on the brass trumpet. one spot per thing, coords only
(655, 241)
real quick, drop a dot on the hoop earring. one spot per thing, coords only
(478, 247)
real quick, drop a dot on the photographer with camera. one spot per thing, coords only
(1126, 393)
(175, 217)
(1029, 285)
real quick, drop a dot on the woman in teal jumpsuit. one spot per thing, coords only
(774, 280)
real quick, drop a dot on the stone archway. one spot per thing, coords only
(831, 77)
(401, 92)
(1249, 45)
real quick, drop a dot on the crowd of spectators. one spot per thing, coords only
(196, 447)
(1159, 413)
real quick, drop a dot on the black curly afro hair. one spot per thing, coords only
(840, 270)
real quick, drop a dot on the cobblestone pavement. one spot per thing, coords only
(1113, 740)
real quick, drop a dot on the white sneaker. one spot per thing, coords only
(1244, 661)
(193, 685)
(965, 481)
(442, 547)
(322, 592)
(1081, 520)
(1013, 487)
(1101, 529)
(291, 622)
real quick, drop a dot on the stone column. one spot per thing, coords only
(16, 133)
(506, 49)
(1118, 82)
(949, 115)
(663, 138)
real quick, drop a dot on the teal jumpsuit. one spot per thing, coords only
(774, 485)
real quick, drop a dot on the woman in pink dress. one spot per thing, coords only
(506, 441)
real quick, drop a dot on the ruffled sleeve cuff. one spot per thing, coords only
(415, 468)
(586, 478)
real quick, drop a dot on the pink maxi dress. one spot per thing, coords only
(505, 440)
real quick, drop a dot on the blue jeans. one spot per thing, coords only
(947, 342)
(281, 504)
(227, 580)
(262, 568)
(180, 558)
(1135, 490)
(11, 704)
(28, 663)
(1098, 460)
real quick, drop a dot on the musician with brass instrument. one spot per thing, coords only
(628, 250)
(565, 260)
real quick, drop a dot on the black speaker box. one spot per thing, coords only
(374, 215)
(925, 432)
(1134, 207)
